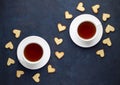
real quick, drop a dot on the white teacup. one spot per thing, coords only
(44, 58)
(83, 42)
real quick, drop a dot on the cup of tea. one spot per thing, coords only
(33, 52)
(86, 30)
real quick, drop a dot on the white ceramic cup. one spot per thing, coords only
(39, 63)
(77, 39)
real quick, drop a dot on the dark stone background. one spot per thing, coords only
(79, 66)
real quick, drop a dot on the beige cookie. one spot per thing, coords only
(109, 28)
(95, 8)
(36, 77)
(9, 45)
(19, 73)
(105, 16)
(107, 41)
(100, 53)
(59, 55)
(80, 7)
(61, 27)
(68, 15)
(58, 41)
(10, 61)
(51, 69)
(17, 33)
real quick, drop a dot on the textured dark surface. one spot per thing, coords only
(79, 66)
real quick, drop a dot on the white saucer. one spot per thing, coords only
(73, 30)
(46, 52)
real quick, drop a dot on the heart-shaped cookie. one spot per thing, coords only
(36, 77)
(100, 53)
(10, 61)
(58, 41)
(68, 15)
(95, 8)
(61, 27)
(19, 73)
(109, 28)
(9, 45)
(80, 7)
(17, 33)
(51, 69)
(59, 55)
(107, 41)
(105, 16)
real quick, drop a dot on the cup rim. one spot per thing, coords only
(32, 62)
(42, 61)
(83, 39)
(83, 18)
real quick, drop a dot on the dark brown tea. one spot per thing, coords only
(86, 30)
(33, 52)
